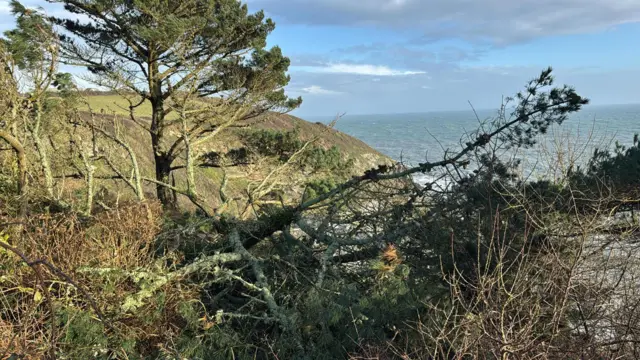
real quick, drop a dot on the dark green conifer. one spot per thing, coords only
(161, 48)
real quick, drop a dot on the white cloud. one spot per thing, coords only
(364, 69)
(359, 69)
(498, 21)
(453, 90)
(318, 90)
(5, 8)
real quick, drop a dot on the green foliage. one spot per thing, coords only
(63, 82)
(319, 187)
(320, 159)
(33, 49)
(537, 110)
(130, 32)
(32, 34)
(619, 168)
(84, 336)
(171, 53)
(280, 144)
(345, 314)
(283, 144)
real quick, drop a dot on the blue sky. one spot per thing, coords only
(398, 56)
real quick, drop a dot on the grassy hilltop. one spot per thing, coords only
(349, 145)
(359, 155)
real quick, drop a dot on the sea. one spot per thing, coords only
(419, 137)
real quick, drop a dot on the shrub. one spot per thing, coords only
(281, 144)
(619, 167)
(319, 187)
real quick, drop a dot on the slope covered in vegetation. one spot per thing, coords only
(194, 226)
(341, 154)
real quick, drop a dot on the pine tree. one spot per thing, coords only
(166, 50)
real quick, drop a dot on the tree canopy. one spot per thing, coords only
(168, 51)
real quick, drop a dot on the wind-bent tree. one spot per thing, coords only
(34, 48)
(9, 112)
(164, 51)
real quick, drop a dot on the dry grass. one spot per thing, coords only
(121, 239)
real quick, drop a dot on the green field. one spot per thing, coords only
(116, 104)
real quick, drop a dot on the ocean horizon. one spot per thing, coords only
(418, 137)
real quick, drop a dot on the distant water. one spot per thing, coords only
(414, 138)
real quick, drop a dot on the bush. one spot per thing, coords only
(320, 159)
(280, 144)
(619, 168)
(319, 187)
(283, 144)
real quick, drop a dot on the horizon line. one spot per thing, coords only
(346, 114)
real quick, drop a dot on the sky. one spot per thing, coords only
(404, 56)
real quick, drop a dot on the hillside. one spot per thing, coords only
(363, 157)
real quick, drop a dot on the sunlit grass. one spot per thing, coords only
(117, 104)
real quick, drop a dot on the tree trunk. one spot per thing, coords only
(34, 129)
(22, 159)
(163, 175)
(46, 166)
(89, 178)
(161, 157)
